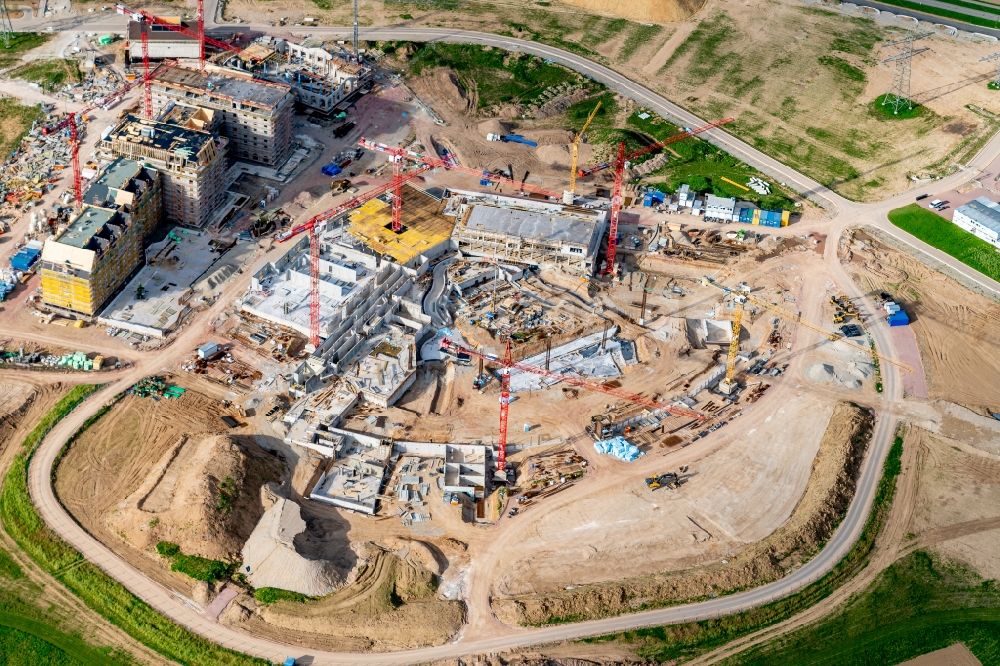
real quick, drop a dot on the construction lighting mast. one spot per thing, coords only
(900, 94)
(507, 364)
(616, 209)
(575, 149)
(653, 147)
(312, 227)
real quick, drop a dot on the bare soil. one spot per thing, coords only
(203, 494)
(392, 604)
(116, 481)
(956, 329)
(831, 483)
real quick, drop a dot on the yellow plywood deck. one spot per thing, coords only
(424, 226)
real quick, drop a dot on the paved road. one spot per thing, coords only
(933, 18)
(844, 213)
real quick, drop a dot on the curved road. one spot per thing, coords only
(846, 213)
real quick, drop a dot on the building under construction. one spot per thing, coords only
(163, 42)
(191, 163)
(255, 115)
(320, 78)
(90, 260)
(527, 232)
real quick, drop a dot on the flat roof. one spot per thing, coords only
(220, 82)
(86, 225)
(163, 136)
(158, 33)
(531, 224)
(720, 202)
(984, 212)
(116, 175)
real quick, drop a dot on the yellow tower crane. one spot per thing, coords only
(575, 151)
(742, 296)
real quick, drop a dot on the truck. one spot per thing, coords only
(511, 138)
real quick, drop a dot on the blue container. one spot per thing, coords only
(898, 319)
(770, 218)
(746, 215)
(653, 197)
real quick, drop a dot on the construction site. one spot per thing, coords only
(396, 363)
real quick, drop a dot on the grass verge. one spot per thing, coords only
(21, 42)
(15, 122)
(496, 76)
(949, 238)
(882, 108)
(949, 13)
(270, 595)
(194, 566)
(49, 74)
(919, 604)
(683, 641)
(100, 592)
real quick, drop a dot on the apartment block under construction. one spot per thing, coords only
(527, 232)
(191, 163)
(88, 262)
(256, 115)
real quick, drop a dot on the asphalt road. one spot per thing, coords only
(844, 213)
(933, 18)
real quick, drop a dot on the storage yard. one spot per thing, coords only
(394, 357)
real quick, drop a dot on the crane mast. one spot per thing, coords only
(575, 149)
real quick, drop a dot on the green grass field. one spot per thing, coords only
(96, 589)
(496, 76)
(945, 236)
(918, 605)
(194, 566)
(15, 121)
(49, 74)
(20, 42)
(270, 595)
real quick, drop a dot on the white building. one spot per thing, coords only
(980, 217)
(719, 208)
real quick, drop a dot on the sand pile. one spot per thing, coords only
(270, 558)
(852, 377)
(203, 494)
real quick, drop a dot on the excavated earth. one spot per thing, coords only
(831, 486)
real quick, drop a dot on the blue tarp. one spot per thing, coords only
(331, 169)
(619, 447)
(653, 197)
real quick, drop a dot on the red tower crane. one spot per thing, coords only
(201, 35)
(147, 92)
(616, 209)
(507, 364)
(318, 220)
(203, 39)
(481, 173)
(653, 147)
(70, 121)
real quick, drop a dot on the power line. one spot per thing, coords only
(900, 94)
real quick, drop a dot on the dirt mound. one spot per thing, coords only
(203, 494)
(387, 606)
(272, 559)
(491, 126)
(830, 489)
(443, 91)
(663, 11)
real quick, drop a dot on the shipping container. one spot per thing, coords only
(898, 319)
